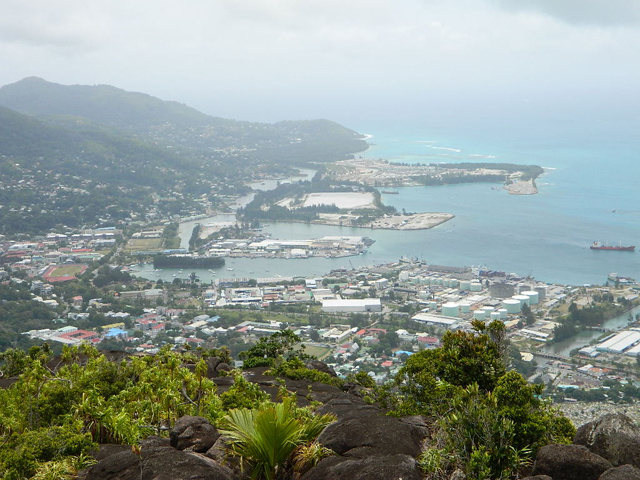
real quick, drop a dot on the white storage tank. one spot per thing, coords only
(465, 285)
(476, 287)
(453, 283)
(523, 299)
(465, 307)
(423, 294)
(450, 309)
(488, 309)
(495, 316)
(433, 305)
(503, 313)
(512, 305)
(533, 296)
(479, 314)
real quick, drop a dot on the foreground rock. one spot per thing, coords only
(569, 462)
(614, 436)
(625, 472)
(193, 433)
(388, 467)
(157, 463)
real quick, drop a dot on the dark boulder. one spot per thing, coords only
(569, 462)
(346, 407)
(625, 472)
(613, 436)
(193, 433)
(321, 367)
(375, 435)
(382, 467)
(157, 463)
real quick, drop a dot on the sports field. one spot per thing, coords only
(61, 273)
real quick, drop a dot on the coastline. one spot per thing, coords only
(522, 187)
(414, 221)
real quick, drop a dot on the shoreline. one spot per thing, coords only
(414, 221)
(522, 187)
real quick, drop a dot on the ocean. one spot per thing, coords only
(588, 193)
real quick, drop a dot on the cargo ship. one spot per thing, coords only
(620, 248)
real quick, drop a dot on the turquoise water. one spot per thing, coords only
(589, 192)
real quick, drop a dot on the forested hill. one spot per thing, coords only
(75, 156)
(177, 126)
(101, 104)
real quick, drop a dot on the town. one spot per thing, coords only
(361, 319)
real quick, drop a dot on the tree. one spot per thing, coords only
(283, 344)
(491, 422)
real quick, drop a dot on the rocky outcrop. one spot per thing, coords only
(193, 433)
(625, 472)
(157, 463)
(569, 462)
(321, 367)
(387, 467)
(613, 436)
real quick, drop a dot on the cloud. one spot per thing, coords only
(580, 12)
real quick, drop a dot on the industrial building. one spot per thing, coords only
(620, 342)
(356, 305)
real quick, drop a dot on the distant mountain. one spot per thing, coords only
(102, 104)
(173, 125)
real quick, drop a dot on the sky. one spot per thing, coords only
(346, 60)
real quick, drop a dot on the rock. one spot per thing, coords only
(223, 367)
(625, 472)
(219, 453)
(105, 450)
(613, 436)
(321, 367)
(155, 441)
(158, 463)
(382, 467)
(344, 408)
(538, 477)
(377, 435)
(569, 462)
(212, 364)
(193, 433)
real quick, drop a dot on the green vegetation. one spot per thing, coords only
(263, 206)
(581, 318)
(490, 421)
(280, 345)
(170, 236)
(267, 436)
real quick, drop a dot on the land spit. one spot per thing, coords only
(413, 221)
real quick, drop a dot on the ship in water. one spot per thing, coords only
(619, 248)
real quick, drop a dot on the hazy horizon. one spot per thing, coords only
(354, 63)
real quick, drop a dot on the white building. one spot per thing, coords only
(352, 305)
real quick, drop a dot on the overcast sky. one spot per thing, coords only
(347, 60)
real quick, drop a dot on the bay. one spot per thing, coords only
(588, 193)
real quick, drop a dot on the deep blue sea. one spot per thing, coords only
(590, 191)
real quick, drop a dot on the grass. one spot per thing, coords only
(319, 352)
(67, 270)
(142, 244)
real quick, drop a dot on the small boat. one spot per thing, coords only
(230, 269)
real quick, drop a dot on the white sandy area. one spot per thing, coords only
(343, 200)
